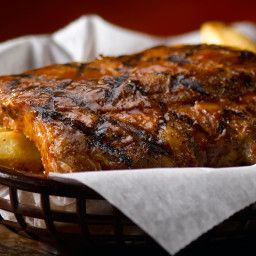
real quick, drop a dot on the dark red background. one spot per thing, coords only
(153, 16)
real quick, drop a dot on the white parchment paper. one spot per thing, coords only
(173, 205)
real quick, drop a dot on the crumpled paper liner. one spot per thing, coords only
(173, 205)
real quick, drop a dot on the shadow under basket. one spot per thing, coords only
(87, 226)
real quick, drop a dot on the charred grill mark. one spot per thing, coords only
(136, 86)
(52, 92)
(229, 112)
(24, 75)
(81, 127)
(183, 118)
(161, 124)
(80, 70)
(95, 139)
(108, 95)
(31, 86)
(194, 85)
(11, 85)
(149, 140)
(60, 93)
(178, 58)
(128, 64)
(159, 47)
(163, 107)
(246, 55)
(100, 129)
(114, 83)
(120, 69)
(226, 115)
(129, 87)
(176, 80)
(131, 61)
(246, 78)
(77, 101)
(188, 121)
(47, 90)
(189, 83)
(50, 115)
(153, 147)
(118, 153)
(222, 126)
(193, 49)
(106, 148)
(70, 64)
(63, 84)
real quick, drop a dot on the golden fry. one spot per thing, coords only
(16, 151)
(222, 34)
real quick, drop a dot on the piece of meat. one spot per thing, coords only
(164, 107)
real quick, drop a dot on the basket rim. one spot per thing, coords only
(42, 184)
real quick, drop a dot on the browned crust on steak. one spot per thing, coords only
(164, 107)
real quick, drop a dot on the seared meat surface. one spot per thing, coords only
(164, 107)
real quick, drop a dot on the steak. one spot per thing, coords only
(181, 106)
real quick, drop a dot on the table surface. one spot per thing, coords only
(12, 244)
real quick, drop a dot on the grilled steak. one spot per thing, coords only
(164, 107)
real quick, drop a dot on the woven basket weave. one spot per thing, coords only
(82, 228)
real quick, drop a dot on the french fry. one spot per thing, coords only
(222, 34)
(16, 151)
(2, 129)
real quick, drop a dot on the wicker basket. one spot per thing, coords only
(83, 229)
